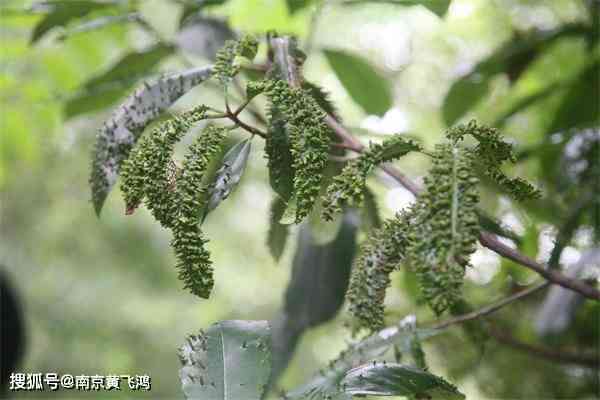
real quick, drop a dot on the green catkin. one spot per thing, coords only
(225, 66)
(193, 260)
(309, 139)
(445, 227)
(146, 172)
(492, 151)
(279, 156)
(379, 256)
(347, 189)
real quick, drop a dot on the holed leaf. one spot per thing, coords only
(118, 135)
(231, 360)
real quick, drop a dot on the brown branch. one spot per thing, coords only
(280, 48)
(561, 356)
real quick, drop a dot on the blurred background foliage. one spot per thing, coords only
(100, 295)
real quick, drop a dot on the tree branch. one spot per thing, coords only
(489, 309)
(280, 48)
(561, 356)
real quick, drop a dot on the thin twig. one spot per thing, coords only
(489, 309)
(562, 356)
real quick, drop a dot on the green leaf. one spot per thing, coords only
(438, 7)
(137, 63)
(320, 273)
(296, 5)
(229, 175)
(362, 82)
(579, 108)
(278, 233)
(319, 280)
(203, 36)
(62, 12)
(118, 135)
(192, 8)
(370, 218)
(232, 360)
(511, 58)
(382, 379)
(327, 382)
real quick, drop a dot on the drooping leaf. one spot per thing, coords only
(278, 233)
(203, 36)
(279, 156)
(327, 382)
(231, 360)
(348, 187)
(438, 7)
(363, 83)
(383, 379)
(61, 12)
(118, 135)
(471, 88)
(319, 280)
(229, 175)
(445, 227)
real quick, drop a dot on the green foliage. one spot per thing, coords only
(348, 188)
(388, 379)
(309, 140)
(370, 276)
(231, 360)
(327, 383)
(365, 85)
(491, 151)
(61, 12)
(194, 265)
(226, 64)
(438, 7)
(445, 226)
(278, 233)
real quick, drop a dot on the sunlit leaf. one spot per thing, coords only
(363, 83)
(511, 58)
(231, 360)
